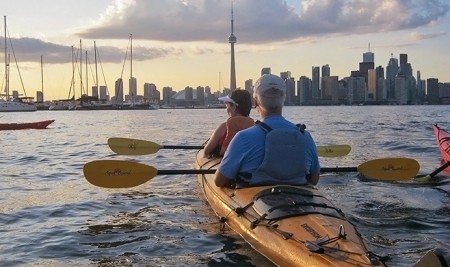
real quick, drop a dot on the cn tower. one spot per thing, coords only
(232, 40)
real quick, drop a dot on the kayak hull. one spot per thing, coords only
(289, 225)
(26, 125)
(443, 141)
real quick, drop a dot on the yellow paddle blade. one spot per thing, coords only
(118, 173)
(333, 151)
(128, 146)
(390, 169)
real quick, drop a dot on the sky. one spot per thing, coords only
(179, 43)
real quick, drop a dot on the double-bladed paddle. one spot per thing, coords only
(124, 174)
(130, 146)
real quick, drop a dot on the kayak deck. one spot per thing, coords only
(289, 225)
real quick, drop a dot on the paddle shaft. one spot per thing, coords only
(180, 147)
(438, 170)
(210, 171)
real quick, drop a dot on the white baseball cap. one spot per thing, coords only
(270, 85)
(228, 99)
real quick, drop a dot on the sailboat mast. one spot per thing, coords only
(87, 79)
(81, 70)
(6, 65)
(96, 70)
(73, 75)
(42, 80)
(131, 55)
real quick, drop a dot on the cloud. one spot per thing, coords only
(30, 50)
(417, 36)
(260, 21)
(256, 23)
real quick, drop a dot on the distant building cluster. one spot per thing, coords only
(369, 85)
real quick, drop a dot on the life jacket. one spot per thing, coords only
(234, 125)
(284, 157)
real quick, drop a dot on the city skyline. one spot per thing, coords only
(189, 47)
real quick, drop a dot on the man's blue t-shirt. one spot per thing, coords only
(246, 150)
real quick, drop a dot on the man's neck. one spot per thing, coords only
(264, 113)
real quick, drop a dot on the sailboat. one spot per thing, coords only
(69, 103)
(13, 103)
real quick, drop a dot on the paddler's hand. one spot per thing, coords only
(220, 180)
(313, 178)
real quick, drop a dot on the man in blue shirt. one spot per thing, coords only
(289, 156)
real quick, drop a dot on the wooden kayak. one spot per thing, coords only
(289, 225)
(443, 141)
(25, 125)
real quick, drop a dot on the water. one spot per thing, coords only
(50, 215)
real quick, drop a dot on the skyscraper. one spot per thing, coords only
(367, 64)
(132, 89)
(325, 73)
(119, 91)
(391, 73)
(369, 56)
(232, 40)
(315, 83)
(304, 90)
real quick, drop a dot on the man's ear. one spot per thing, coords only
(256, 102)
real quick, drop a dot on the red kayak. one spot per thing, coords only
(25, 125)
(443, 141)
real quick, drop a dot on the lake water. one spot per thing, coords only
(51, 216)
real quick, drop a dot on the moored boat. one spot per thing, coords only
(443, 141)
(16, 105)
(13, 103)
(289, 225)
(25, 125)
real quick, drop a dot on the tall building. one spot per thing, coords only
(200, 95)
(403, 63)
(232, 40)
(39, 96)
(132, 89)
(103, 93)
(304, 90)
(151, 94)
(369, 56)
(118, 88)
(367, 64)
(391, 73)
(401, 91)
(167, 95)
(290, 87)
(433, 91)
(249, 86)
(420, 89)
(189, 93)
(330, 88)
(372, 85)
(315, 83)
(380, 84)
(325, 73)
(356, 90)
(94, 91)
